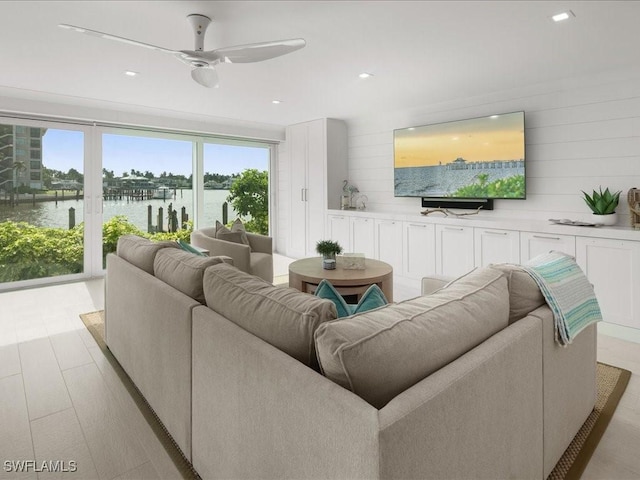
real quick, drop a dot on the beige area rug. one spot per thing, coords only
(611, 383)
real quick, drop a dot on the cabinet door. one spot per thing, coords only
(613, 267)
(496, 246)
(419, 250)
(297, 139)
(316, 188)
(534, 244)
(363, 236)
(454, 250)
(389, 243)
(338, 227)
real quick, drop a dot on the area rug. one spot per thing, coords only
(611, 384)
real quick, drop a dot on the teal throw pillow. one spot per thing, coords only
(188, 248)
(372, 298)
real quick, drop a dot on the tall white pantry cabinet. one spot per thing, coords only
(318, 167)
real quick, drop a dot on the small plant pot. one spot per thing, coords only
(329, 262)
(607, 220)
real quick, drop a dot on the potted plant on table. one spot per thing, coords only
(603, 205)
(328, 249)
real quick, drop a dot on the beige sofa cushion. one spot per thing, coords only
(524, 294)
(381, 353)
(184, 271)
(283, 317)
(140, 251)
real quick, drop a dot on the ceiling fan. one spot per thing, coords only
(204, 63)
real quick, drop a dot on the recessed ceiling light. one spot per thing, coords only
(493, 116)
(559, 17)
(276, 101)
(130, 73)
(411, 128)
(365, 75)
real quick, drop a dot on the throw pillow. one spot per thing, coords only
(238, 226)
(220, 229)
(188, 248)
(372, 298)
(235, 237)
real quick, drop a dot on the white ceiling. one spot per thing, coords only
(420, 53)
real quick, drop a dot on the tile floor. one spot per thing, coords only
(61, 400)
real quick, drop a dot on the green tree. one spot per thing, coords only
(249, 196)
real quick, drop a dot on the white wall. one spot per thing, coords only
(580, 134)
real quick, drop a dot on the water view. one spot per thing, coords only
(48, 214)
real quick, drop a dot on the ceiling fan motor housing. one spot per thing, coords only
(199, 24)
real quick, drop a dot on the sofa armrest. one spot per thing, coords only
(260, 243)
(434, 282)
(239, 252)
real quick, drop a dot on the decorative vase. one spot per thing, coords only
(329, 261)
(607, 220)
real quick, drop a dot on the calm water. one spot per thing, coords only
(48, 214)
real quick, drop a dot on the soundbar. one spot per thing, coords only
(465, 203)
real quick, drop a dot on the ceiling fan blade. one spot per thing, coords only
(255, 52)
(205, 76)
(108, 36)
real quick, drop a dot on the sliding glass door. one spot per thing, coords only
(41, 201)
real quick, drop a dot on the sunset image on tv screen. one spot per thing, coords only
(476, 158)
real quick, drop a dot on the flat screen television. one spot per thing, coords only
(478, 158)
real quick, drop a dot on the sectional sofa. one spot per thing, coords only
(257, 381)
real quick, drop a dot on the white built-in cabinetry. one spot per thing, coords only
(495, 246)
(417, 247)
(389, 242)
(363, 236)
(613, 267)
(454, 250)
(317, 167)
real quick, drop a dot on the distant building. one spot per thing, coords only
(27, 148)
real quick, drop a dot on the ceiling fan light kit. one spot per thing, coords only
(203, 62)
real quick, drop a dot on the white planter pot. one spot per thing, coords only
(607, 220)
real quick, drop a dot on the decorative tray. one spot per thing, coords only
(575, 223)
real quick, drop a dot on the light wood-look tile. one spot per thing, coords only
(70, 350)
(43, 383)
(15, 439)
(143, 472)
(9, 360)
(58, 437)
(152, 446)
(112, 443)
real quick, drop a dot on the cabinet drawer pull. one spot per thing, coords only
(417, 225)
(458, 229)
(543, 237)
(491, 232)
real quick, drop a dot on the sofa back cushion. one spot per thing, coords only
(283, 317)
(381, 353)
(140, 251)
(184, 271)
(524, 294)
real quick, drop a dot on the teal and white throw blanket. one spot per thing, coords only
(567, 292)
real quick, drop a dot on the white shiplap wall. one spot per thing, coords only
(580, 134)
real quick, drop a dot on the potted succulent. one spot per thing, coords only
(328, 249)
(603, 205)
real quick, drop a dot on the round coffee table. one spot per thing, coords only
(306, 274)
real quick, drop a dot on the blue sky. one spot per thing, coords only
(63, 149)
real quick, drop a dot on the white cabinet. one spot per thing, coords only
(613, 267)
(454, 250)
(496, 246)
(389, 243)
(534, 244)
(339, 230)
(363, 236)
(318, 165)
(419, 250)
